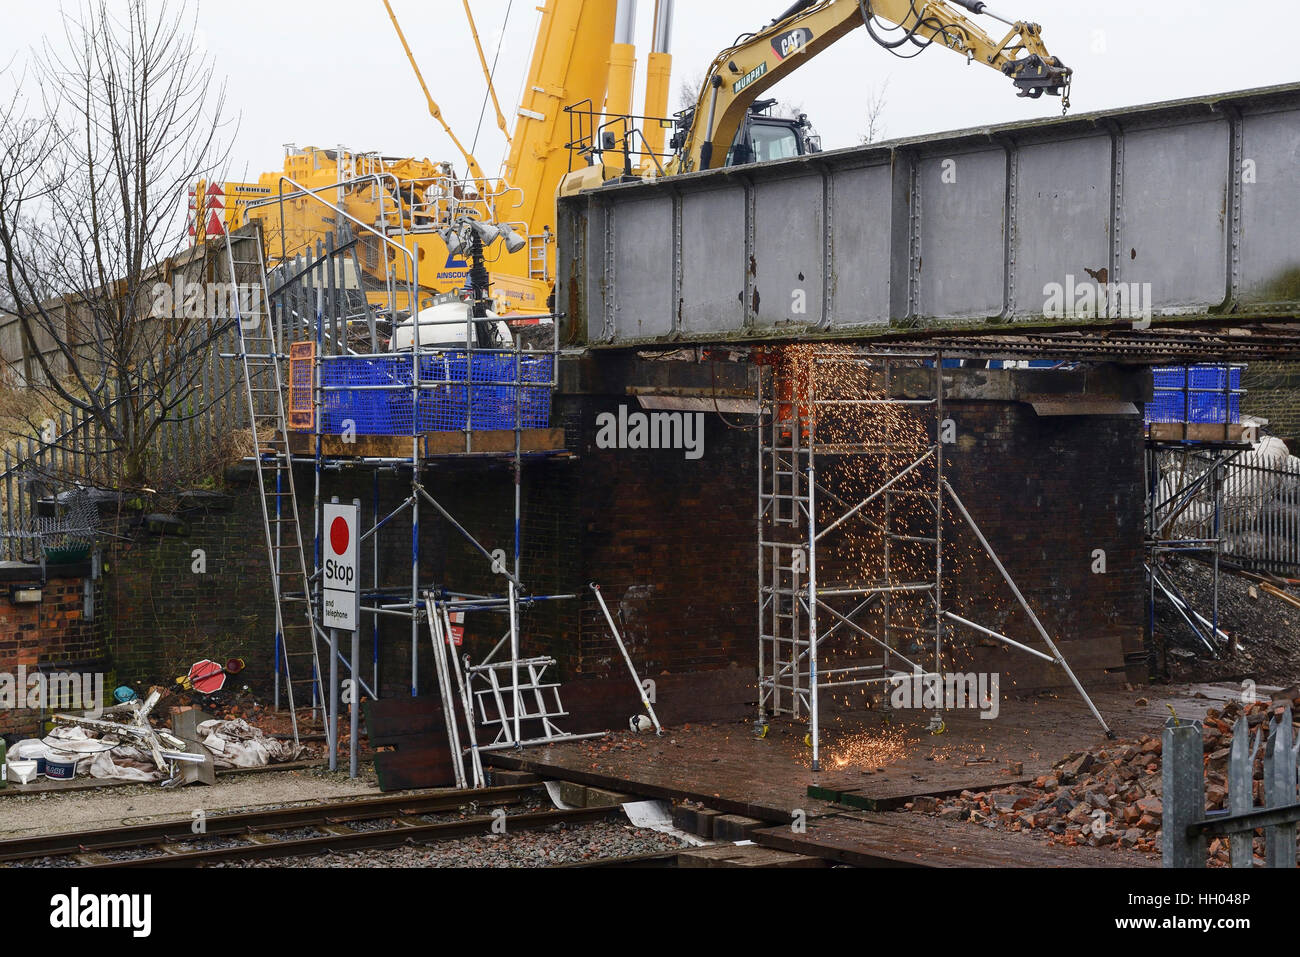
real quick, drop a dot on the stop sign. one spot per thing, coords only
(207, 676)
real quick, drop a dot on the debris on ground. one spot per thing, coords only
(94, 756)
(1111, 796)
(237, 744)
(1265, 629)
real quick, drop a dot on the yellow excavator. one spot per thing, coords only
(730, 126)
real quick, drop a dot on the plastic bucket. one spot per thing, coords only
(33, 750)
(61, 768)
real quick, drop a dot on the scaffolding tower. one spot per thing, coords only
(851, 532)
(349, 403)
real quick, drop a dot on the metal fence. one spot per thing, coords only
(74, 450)
(1186, 826)
(1259, 515)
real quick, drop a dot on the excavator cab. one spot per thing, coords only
(766, 137)
(763, 137)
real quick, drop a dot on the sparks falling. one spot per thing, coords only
(873, 424)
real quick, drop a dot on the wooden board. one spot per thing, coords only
(393, 721)
(724, 767)
(731, 855)
(893, 795)
(1195, 432)
(484, 443)
(422, 763)
(186, 726)
(431, 444)
(417, 729)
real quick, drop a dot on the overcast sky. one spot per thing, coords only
(338, 75)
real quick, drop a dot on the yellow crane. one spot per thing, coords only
(571, 64)
(584, 64)
(475, 171)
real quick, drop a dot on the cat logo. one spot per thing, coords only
(795, 41)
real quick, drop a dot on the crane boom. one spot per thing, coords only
(487, 74)
(741, 73)
(435, 111)
(569, 65)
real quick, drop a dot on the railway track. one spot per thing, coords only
(259, 835)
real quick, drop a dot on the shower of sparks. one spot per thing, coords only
(867, 750)
(890, 542)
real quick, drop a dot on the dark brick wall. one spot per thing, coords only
(161, 615)
(1048, 492)
(1273, 393)
(672, 542)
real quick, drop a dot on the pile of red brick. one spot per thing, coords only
(1109, 796)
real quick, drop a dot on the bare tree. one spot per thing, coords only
(27, 174)
(115, 123)
(876, 102)
(688, 94)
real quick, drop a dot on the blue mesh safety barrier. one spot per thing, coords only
(1214, 392)
(456, 388)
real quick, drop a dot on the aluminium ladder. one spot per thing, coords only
(296, 632)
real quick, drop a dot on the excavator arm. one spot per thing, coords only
(760, 60)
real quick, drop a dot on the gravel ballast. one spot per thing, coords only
(548, 847)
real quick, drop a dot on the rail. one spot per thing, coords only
(277, 833)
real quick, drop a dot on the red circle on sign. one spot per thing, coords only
(339, 535)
